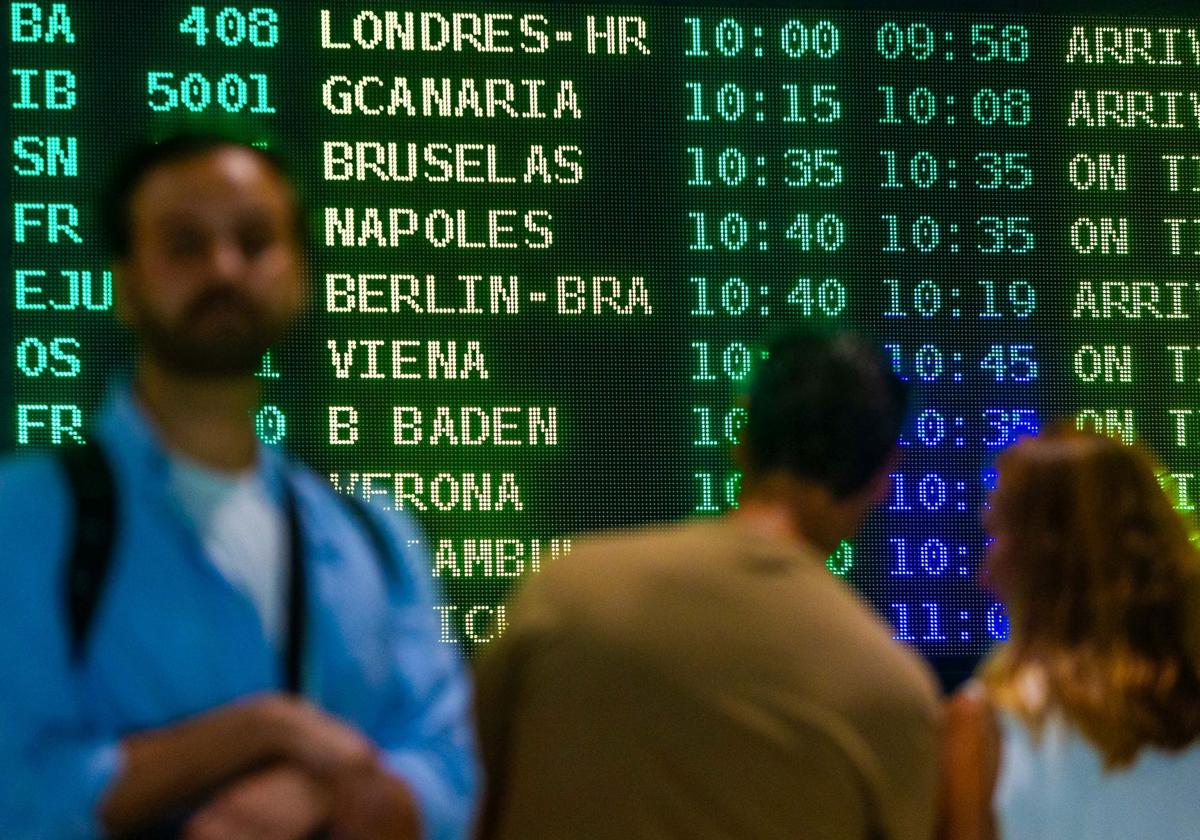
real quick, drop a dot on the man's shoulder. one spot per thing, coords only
(35, 506)
(812, 614)
(648, 554)
(860, 648)
(815, 618)
(30, 482)
(344, 509)
(305, 480)
(27, 466)
(334, 516)
(606, 575)
(879, 658)
(647, 545)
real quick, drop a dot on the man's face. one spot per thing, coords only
(213, 277)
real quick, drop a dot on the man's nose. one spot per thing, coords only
(226, 260)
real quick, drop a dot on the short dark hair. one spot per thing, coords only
(827, 408)
(141, 161)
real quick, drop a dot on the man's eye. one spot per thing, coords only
(256, 241)
(185, 245)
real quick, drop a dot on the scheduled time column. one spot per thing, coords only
(764, 175)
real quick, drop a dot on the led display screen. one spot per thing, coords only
(550, 240)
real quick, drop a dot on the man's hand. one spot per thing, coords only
(280, 803)
(166, 768)
(373, 806)
(320, 743)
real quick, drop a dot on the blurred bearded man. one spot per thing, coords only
(198, 637)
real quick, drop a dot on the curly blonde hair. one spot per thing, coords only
(1103, 587)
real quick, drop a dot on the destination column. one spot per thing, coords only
(466, 289)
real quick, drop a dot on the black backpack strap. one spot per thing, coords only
(297, 598)
(90, 478)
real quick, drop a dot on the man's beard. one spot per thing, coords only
(235, 348)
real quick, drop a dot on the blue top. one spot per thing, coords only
(1055, 787)
(173, 638)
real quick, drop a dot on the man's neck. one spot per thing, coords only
(776, 520)
(202, 418)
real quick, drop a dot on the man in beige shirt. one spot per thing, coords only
(712, 679)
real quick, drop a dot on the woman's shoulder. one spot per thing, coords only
(969, 712)
(970, 763)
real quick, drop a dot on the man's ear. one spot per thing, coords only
(306, 284)
(740, 451)
(120, 273)
(880, 487)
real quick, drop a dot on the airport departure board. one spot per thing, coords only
(549, 242)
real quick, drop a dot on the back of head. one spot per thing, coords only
(1103, 588)
(824, 408)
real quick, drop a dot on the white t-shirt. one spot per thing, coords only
(244, 532)
(1055, 787)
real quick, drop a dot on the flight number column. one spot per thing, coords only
(59, 290)
(219, 68)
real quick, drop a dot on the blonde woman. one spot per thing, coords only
(1086, 724)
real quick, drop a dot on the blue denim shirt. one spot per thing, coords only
(173, 638)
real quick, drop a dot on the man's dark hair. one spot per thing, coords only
(827, 408)
(141, 161)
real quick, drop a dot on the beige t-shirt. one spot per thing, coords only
(700, 681)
